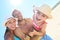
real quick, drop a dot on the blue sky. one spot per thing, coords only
(25, 7)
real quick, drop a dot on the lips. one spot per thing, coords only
(39, 20)
(13, 27)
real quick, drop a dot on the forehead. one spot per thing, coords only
(16, 12)
(10, 20)
(39, 12)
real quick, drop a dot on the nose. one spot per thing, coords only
(39, 17)
(14, 24)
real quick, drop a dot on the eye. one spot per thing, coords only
(44, 15)
(14, 21)
(9, 22)
(38, 13)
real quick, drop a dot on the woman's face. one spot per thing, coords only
(11, 24)
(40, 17)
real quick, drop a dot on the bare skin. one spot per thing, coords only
(39, 18)
(8, 36)
(11, 25)
(26, 27)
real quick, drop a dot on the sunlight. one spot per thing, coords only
(15, 2)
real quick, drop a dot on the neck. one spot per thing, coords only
(11, 31)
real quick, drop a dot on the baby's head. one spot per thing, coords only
(42, 13)
(17, 14)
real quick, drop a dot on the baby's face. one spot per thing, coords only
(40, 17)
(11, 24)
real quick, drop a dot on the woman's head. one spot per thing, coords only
(11, 23)
(17, 14)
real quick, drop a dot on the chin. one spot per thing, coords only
(13, 29)
(19, 19)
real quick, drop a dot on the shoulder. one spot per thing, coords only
(29, 20)
(8, 36)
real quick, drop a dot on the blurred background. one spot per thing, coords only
(26, 7)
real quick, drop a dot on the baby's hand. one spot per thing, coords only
(36, 33)
(31, 34)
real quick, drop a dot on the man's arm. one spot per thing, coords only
(19, 33)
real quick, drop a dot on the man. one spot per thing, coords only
(25, 26)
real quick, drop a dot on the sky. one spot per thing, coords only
(25, 6)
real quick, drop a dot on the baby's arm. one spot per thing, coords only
(40, 32)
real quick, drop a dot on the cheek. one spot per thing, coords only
(9, 26)
(14, 23)
(39, 17)
(44, 19)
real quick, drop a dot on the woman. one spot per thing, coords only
(10, 27)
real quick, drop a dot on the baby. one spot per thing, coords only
(41, 14)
